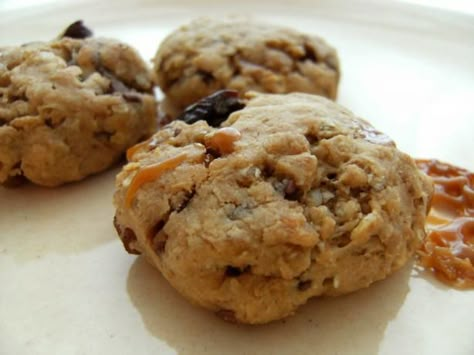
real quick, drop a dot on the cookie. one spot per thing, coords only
(291, 197)
(69, 108)
(206, 55)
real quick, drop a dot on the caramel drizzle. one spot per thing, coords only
(149, 143)
(151, 173)
(132, 150)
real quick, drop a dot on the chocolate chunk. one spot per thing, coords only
(304, 285)
(309, 54)
(48, 121)
(232, 271)
(214, 109)
(268, 170)
(287, 187)
(128, 236)
(312, 139)
(212, 152)
(77, 30)
(290, 190)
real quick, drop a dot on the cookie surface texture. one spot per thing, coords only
(207, 55)
(292, 197)
(69, 108)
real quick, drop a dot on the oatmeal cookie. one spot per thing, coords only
(289, 198)
(69, 108)
(208, 55)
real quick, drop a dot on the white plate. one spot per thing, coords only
(68, 287)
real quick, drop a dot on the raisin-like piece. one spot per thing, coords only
(290, 190)
(214, 109)
(77, 30)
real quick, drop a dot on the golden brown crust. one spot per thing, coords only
(207, 55)
(311, 201)
(69, 108)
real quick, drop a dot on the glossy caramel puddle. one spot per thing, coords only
(448, 249)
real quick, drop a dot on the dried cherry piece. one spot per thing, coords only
(77, 30)
(214, 109)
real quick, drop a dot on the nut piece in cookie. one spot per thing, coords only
(208, 55)
(70, 107)
(291, 197)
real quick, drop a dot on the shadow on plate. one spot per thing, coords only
(351, 324)
(69, 219)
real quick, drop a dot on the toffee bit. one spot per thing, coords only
(214, 109)
(77, 30)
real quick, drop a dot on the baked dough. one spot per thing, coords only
(292, 197)
(69, 108)
(208, 55)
